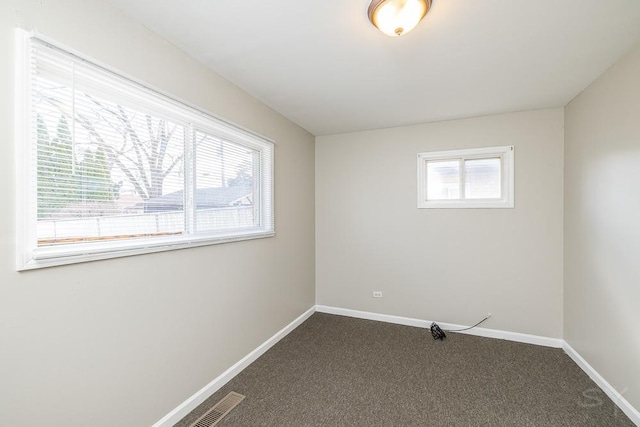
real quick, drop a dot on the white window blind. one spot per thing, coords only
(112, 168)
(473, 178)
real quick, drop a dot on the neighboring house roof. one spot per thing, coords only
(85, 210)
(206, 198)
(128, 201)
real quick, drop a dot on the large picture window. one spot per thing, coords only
(110, 167)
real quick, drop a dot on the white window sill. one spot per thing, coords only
(465, 204)
(56, 256)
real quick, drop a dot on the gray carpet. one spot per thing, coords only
(340, 371)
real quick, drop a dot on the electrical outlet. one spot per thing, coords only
(377, 294)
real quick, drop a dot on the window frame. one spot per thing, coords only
(507, 180)
(30, 256)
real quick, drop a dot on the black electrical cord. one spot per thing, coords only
(439, 333)
(466, 329)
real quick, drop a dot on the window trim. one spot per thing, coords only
(505, 153)
(30, 256)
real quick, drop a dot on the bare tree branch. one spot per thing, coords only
(142, 161)
(114, 154)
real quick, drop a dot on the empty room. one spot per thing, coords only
(320, 213)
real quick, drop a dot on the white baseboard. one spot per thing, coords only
(617, 398)
(481, 332)
(191, 403)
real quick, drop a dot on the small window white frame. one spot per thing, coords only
(504, 153)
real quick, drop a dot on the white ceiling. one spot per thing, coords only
(324, 66)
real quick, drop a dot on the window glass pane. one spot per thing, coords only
(225, 193)
(104, 171)
(115, 166)
(482, 178)
(443, 180)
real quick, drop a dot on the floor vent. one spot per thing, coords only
(214, 415)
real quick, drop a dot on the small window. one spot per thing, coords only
(474, 178)
(112, 168)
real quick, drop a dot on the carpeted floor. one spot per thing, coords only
(340, 371)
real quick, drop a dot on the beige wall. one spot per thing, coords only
(123, 342)
(449, 265)
(602, 226)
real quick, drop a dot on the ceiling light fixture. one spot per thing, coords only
(397, 17)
